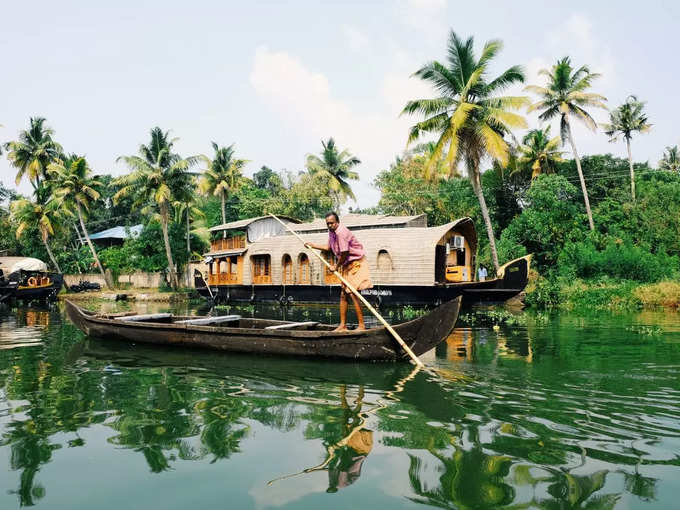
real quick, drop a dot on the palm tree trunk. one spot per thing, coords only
(224, 213)
(632, 172)
(224, 207)
(49, 252)
(168, 252)
(477, 187)
(580, 175)
(188, 246)
(109, 284)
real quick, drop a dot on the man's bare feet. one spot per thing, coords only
(360, 328)
(340, 329)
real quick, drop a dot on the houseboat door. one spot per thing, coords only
(440, 264)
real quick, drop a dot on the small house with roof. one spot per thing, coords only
(115, 235)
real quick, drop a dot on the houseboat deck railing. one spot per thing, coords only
(230, 243)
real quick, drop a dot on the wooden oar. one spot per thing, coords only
(357, 294)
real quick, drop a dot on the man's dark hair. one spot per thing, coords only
(334, 214)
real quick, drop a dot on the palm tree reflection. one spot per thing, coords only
(346, 440)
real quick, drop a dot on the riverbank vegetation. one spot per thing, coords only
(604, 231)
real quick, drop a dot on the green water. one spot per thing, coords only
(561, 412)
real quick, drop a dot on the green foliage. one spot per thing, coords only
(551, 219)
(248, 202)
(404, 190)
(543, 293)
(600, 294)
(502, 190)
(617, 260)
(670, 162)
(268, 180)
(335, 168)
(606, 176)
(306, 198)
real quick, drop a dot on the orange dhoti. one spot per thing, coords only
(357, 274)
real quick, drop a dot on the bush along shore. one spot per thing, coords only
(602, 294)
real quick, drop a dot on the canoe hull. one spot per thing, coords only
(421, 335)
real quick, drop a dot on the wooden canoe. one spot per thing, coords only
(272, 337)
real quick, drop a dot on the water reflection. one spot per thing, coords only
(529, 417)
(346, 441)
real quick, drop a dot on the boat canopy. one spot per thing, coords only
(11, 265)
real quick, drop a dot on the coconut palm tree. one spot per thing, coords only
(670, 161)
(539, 152)
(33, 152)
(186, 208)
(624, 121)
(565, 96)
(158, 178)
(469, 117)
(223, 175)
(75, 188)
(45, 214)
(335, 167)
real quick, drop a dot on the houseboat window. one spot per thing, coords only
(233, 264)
(223, 266)
(304, 275)
(384, 261)
(262, 269)
(460, 257)
(330, 278)
(331, 259)
(287, 265)
(232, 242)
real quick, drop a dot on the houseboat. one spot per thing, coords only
(258, 260)
(27, 279)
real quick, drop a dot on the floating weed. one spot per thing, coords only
(486, 318)
(645, 330)
(409, 313)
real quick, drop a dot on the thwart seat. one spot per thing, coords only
(292, 325)
(205, 321)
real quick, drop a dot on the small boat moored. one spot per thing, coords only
(27, 279)
(272, 337)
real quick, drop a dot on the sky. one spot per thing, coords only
(275, 78)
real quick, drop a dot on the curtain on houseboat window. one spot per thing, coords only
(287, 265)
(304, 275)
(264, 228)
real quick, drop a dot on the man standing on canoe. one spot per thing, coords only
(352, 265)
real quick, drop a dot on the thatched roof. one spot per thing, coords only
(242, 224)
(410, 251)
(355, 221)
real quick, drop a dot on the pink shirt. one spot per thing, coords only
(343, 240)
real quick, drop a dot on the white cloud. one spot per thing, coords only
(429, 5)
(306, 102)
(356, 39)
(397, 89)
(426, 16)
(576, 38)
